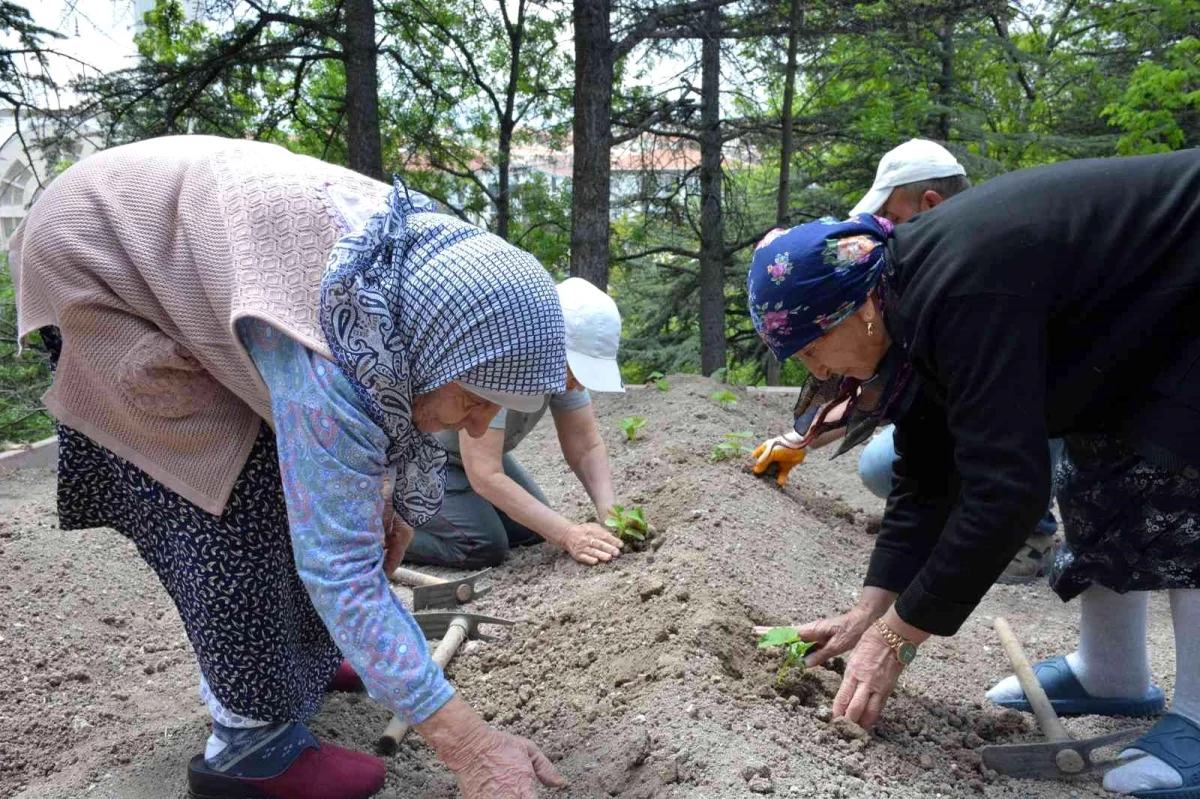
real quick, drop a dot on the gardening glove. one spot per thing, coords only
(784, 452)
(590, 543)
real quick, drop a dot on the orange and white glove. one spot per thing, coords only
(784, 452)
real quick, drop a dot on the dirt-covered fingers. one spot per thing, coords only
(832, 636)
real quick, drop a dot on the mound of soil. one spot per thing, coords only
(640, 678)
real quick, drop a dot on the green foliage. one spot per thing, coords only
(23, 378)
(629, 524)
(630, 425)
(659, 381)
(1159, 110)
(726, 399)
(734, 446)
(788, 640)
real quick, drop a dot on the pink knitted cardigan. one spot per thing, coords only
(145, 256)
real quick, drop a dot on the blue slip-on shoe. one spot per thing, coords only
(1068, 697)
(1175, 741)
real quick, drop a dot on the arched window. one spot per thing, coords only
(12, 187)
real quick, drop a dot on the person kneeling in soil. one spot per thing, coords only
(1055, 301)
(911, 179)
(250, 347)
(492, 502)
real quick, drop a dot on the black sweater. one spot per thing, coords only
(1055, 300)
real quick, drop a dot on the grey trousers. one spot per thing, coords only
(470, 532)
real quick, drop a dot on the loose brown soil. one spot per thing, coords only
(640, 679)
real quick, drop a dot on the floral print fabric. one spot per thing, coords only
(805, 280)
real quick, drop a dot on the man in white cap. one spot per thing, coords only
(911, 179)
(492, 503)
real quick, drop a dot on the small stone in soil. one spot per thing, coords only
(762, 784)
(651, 587)
(847, 730)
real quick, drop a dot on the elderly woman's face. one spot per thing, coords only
(452, 407)
(852, 348)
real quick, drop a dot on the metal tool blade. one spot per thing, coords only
(435, 623)
(449, 594)
(1036, 761)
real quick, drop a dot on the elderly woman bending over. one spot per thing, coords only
(255, 346)
(1057, 301)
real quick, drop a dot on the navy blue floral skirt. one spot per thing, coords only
(261, 646)
(1130, 525)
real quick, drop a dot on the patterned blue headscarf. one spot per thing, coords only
(416, 299)
(805, 280)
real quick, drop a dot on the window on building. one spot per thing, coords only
(12, 187)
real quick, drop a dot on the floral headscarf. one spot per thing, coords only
(805, 280)
(415, 299)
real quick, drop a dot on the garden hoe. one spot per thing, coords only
(452, 629)
(1061, 755)
(434, 592)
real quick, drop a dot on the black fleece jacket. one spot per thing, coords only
(1056, 300)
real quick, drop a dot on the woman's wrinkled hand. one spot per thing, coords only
(590, 544)
(870, 678)
(497, 765)
(833, 636)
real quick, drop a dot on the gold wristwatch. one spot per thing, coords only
(905, 649)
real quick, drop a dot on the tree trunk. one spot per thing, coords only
(786, 146)
(362, 90)
(712, 239)
(945, 79)
(590, 174)
(516, 33)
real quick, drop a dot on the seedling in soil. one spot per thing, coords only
(734, 446)
(794, 647)
(659, 381)
(629, 524)
(726, 399)
(631, 425)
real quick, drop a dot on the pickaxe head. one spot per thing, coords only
(449, 594)
(435, 624)
(1052, 760)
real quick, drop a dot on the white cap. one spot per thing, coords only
(913, 161)
(593, 334)
(525, 403)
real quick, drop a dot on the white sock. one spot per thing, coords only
(1146, 772)
(214, 746)
(1111, 660)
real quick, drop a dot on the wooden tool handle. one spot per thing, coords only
(397, 728)
(409, 577)
(1047, 718)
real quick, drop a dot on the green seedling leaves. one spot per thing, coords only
(788, 639)
(659, 381)
(629, 524)
(631, 425)
(734, 446)
(726, 399)
(778, 636)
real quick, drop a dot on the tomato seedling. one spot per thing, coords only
(726, 399)
(659, 381)
(787, 639)
(631, 425)
(629, 524)
(733, 446)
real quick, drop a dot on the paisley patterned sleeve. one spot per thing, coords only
(331, 457)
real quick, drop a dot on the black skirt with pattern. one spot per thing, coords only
(260, 644)
(1130, 525)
